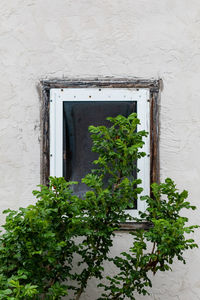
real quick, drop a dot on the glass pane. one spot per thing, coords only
(78, 116)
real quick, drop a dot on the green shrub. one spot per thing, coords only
(41, 244)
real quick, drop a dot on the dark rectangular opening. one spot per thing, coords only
(77, 117)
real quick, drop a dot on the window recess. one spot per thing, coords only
(69, 107)
(72, 111)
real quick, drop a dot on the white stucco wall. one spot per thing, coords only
(41, 39)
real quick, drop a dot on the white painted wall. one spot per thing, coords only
(84, 38)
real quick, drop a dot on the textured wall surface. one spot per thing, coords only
(41, 39)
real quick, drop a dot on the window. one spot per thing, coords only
(74, 105)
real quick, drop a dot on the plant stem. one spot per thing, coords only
(81, 290)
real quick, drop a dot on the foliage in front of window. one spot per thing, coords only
(60, 243)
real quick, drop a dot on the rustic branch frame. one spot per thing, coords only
(108, 82)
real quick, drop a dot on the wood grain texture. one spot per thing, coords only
(106, 82)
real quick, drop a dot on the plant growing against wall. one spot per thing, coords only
(62, 241)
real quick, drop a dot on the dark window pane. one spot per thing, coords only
(78, 116)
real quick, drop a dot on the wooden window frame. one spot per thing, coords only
(153, 86)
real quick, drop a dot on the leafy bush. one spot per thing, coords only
(41, 243)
